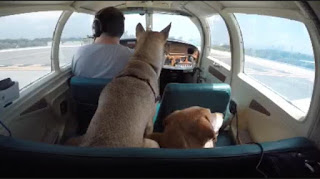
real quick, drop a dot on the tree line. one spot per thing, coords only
(22, 43)
(293, 58)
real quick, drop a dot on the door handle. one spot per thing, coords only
(215, 64)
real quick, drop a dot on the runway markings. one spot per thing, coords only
(25, 67)
(275, 73)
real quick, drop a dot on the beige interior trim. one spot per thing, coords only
(5, 11)
(284, 13)
(34, 93)
(56, 39)
(313, 26)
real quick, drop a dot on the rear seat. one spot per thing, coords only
(86, 92)
(284, 158)
(182, 95)
(178, 96)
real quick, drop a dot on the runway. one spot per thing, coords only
(294, 83)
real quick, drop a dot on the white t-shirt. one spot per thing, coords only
(100, 60)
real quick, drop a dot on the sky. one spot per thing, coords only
(259, 32)
(275, 33)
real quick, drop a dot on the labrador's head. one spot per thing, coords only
(190, 128)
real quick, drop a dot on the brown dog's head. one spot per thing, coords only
(189, 128)
(151, 45)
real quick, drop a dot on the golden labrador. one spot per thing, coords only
(193, 127)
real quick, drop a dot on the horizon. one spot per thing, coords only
(252, 27)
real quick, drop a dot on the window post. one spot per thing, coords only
(56, 40)
(149, 20)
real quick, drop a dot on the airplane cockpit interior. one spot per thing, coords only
(180, 64)
(236, 92)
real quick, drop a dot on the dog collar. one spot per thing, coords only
(156, 97)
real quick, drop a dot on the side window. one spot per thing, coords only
(279, 55)
(220, 40)
(25, 46)
(130, 23)
(182, 28)
(76, 33)
(78, 29)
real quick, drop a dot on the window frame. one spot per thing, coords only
(38, 88)
(28, 88)
(217, 62)
(290, 109)
(158, 12)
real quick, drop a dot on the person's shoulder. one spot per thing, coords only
(85, 47)
(88, 46)
(126, 49)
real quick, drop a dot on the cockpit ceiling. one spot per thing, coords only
(197, 8)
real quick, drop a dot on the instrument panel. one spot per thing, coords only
(179, 55)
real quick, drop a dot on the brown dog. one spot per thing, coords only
(128, 103)
(193, 127)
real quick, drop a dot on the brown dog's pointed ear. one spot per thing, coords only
(166, 30)
(139, 30)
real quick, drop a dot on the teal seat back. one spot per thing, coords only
(179, 96)
(86, 93)
(87, 90)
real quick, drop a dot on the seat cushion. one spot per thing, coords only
(178, 96)
(224, 139)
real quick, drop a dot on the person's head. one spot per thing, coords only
(109, 21)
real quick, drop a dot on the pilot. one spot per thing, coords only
(190, 52)
(105, 57)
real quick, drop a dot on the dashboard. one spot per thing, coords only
(179, 55)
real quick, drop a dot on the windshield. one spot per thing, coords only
(130, 23)
(182, 28)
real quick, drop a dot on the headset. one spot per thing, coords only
(97, 25)
(97, 28)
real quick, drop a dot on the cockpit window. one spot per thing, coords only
(279, 55)
(220, 40)
(76, 32)
(130, 23)
(182, 28)
(25, 46)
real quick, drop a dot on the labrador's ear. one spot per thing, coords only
(139, 30)
(205, 129)
(166, 30)
(170, 118)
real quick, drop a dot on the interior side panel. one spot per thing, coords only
(261, 127)
(214, 76)
(46, 122)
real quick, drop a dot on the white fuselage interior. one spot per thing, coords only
(47, 124)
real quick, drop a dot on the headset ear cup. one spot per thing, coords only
(96, 28)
